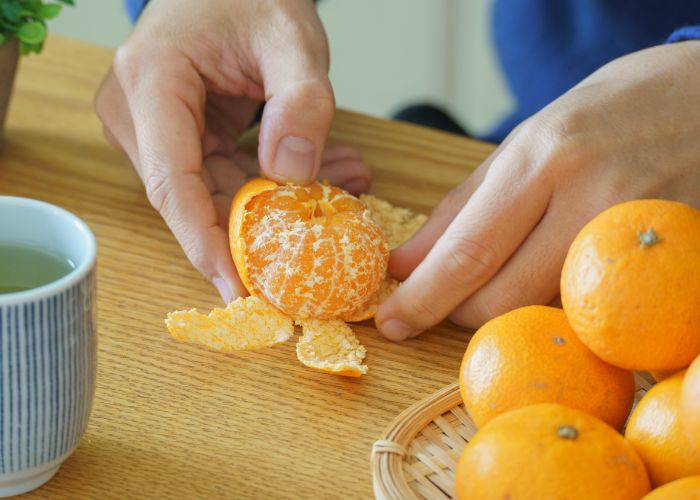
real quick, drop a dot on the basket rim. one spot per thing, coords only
(386, 461)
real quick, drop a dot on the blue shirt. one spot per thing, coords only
(545, 47)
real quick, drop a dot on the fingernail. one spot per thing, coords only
(295, 159)
(396, 330)
(224, 289)
(356, 186)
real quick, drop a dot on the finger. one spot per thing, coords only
(298, 112)
(405, 258)
(489, 228)
(166, 100)
(113, 110)
(343, 167)
(531, 275)
(225, 173)
(228, 117)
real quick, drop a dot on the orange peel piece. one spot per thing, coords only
(369, 308)
(246, 323)
(331, 346)
(397, 223)
(237, 243)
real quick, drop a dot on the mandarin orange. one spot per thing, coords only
(630, 285)
(690, 403)
(657, 433)
(531, 355)
(549, 451)
(311, 251)
(687, 488)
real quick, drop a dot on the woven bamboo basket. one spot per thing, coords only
(417, 456)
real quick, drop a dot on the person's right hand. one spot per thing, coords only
(188, 82)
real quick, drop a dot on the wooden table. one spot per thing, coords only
(172, 420)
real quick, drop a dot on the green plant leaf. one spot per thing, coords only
(3, 39)
(28, 48)
(11, 11)
(67, 2)
(49, 10)
(32, 32)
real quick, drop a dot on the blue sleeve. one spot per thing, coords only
(134, 8)
(685, 33)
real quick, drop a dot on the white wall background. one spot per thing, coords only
(384, 53)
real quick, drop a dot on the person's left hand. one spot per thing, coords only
(498, 241)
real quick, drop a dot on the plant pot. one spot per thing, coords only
(9, 54)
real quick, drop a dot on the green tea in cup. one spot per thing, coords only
(24, 267)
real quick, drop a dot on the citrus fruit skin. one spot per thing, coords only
(549, 451)
(311, 251)
(690, 403)
(243, 196)
(531, 355)
(657, 433)
(630, 285)
(687, 488)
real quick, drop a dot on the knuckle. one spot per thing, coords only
(157, 190)
(134, 59)
(317, 94)
(124, 62)
(421, 314)
(478, 310)
(469, 261)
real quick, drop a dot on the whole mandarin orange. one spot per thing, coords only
(630, 285)
(687, 488)
(657, 433)
(690, 403)
(311, 251)
(549, 451)
(531, 355)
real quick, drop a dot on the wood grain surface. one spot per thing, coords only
(175, 421)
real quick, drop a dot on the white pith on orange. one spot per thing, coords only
(327, 343)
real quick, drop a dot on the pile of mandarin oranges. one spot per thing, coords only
(552, 390)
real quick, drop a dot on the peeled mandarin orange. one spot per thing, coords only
(320, 214)
(690, 403)
(657, 433)
(531, 355)
(549, 451)
(311, 251)
(687, 488)
(630, 285)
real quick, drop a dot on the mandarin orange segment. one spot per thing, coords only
(311, 251)
(369, 308)
(331, 346)
(398, 224)
(246, 323)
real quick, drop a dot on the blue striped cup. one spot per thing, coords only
(48, 348)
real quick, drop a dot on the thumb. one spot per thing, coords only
(297, 116)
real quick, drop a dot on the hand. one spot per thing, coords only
(181, 92)
(499, 240)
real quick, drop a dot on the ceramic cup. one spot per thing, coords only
(48, 348)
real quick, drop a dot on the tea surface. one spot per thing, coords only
(24, 267)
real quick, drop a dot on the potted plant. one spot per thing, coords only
(22, 31)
